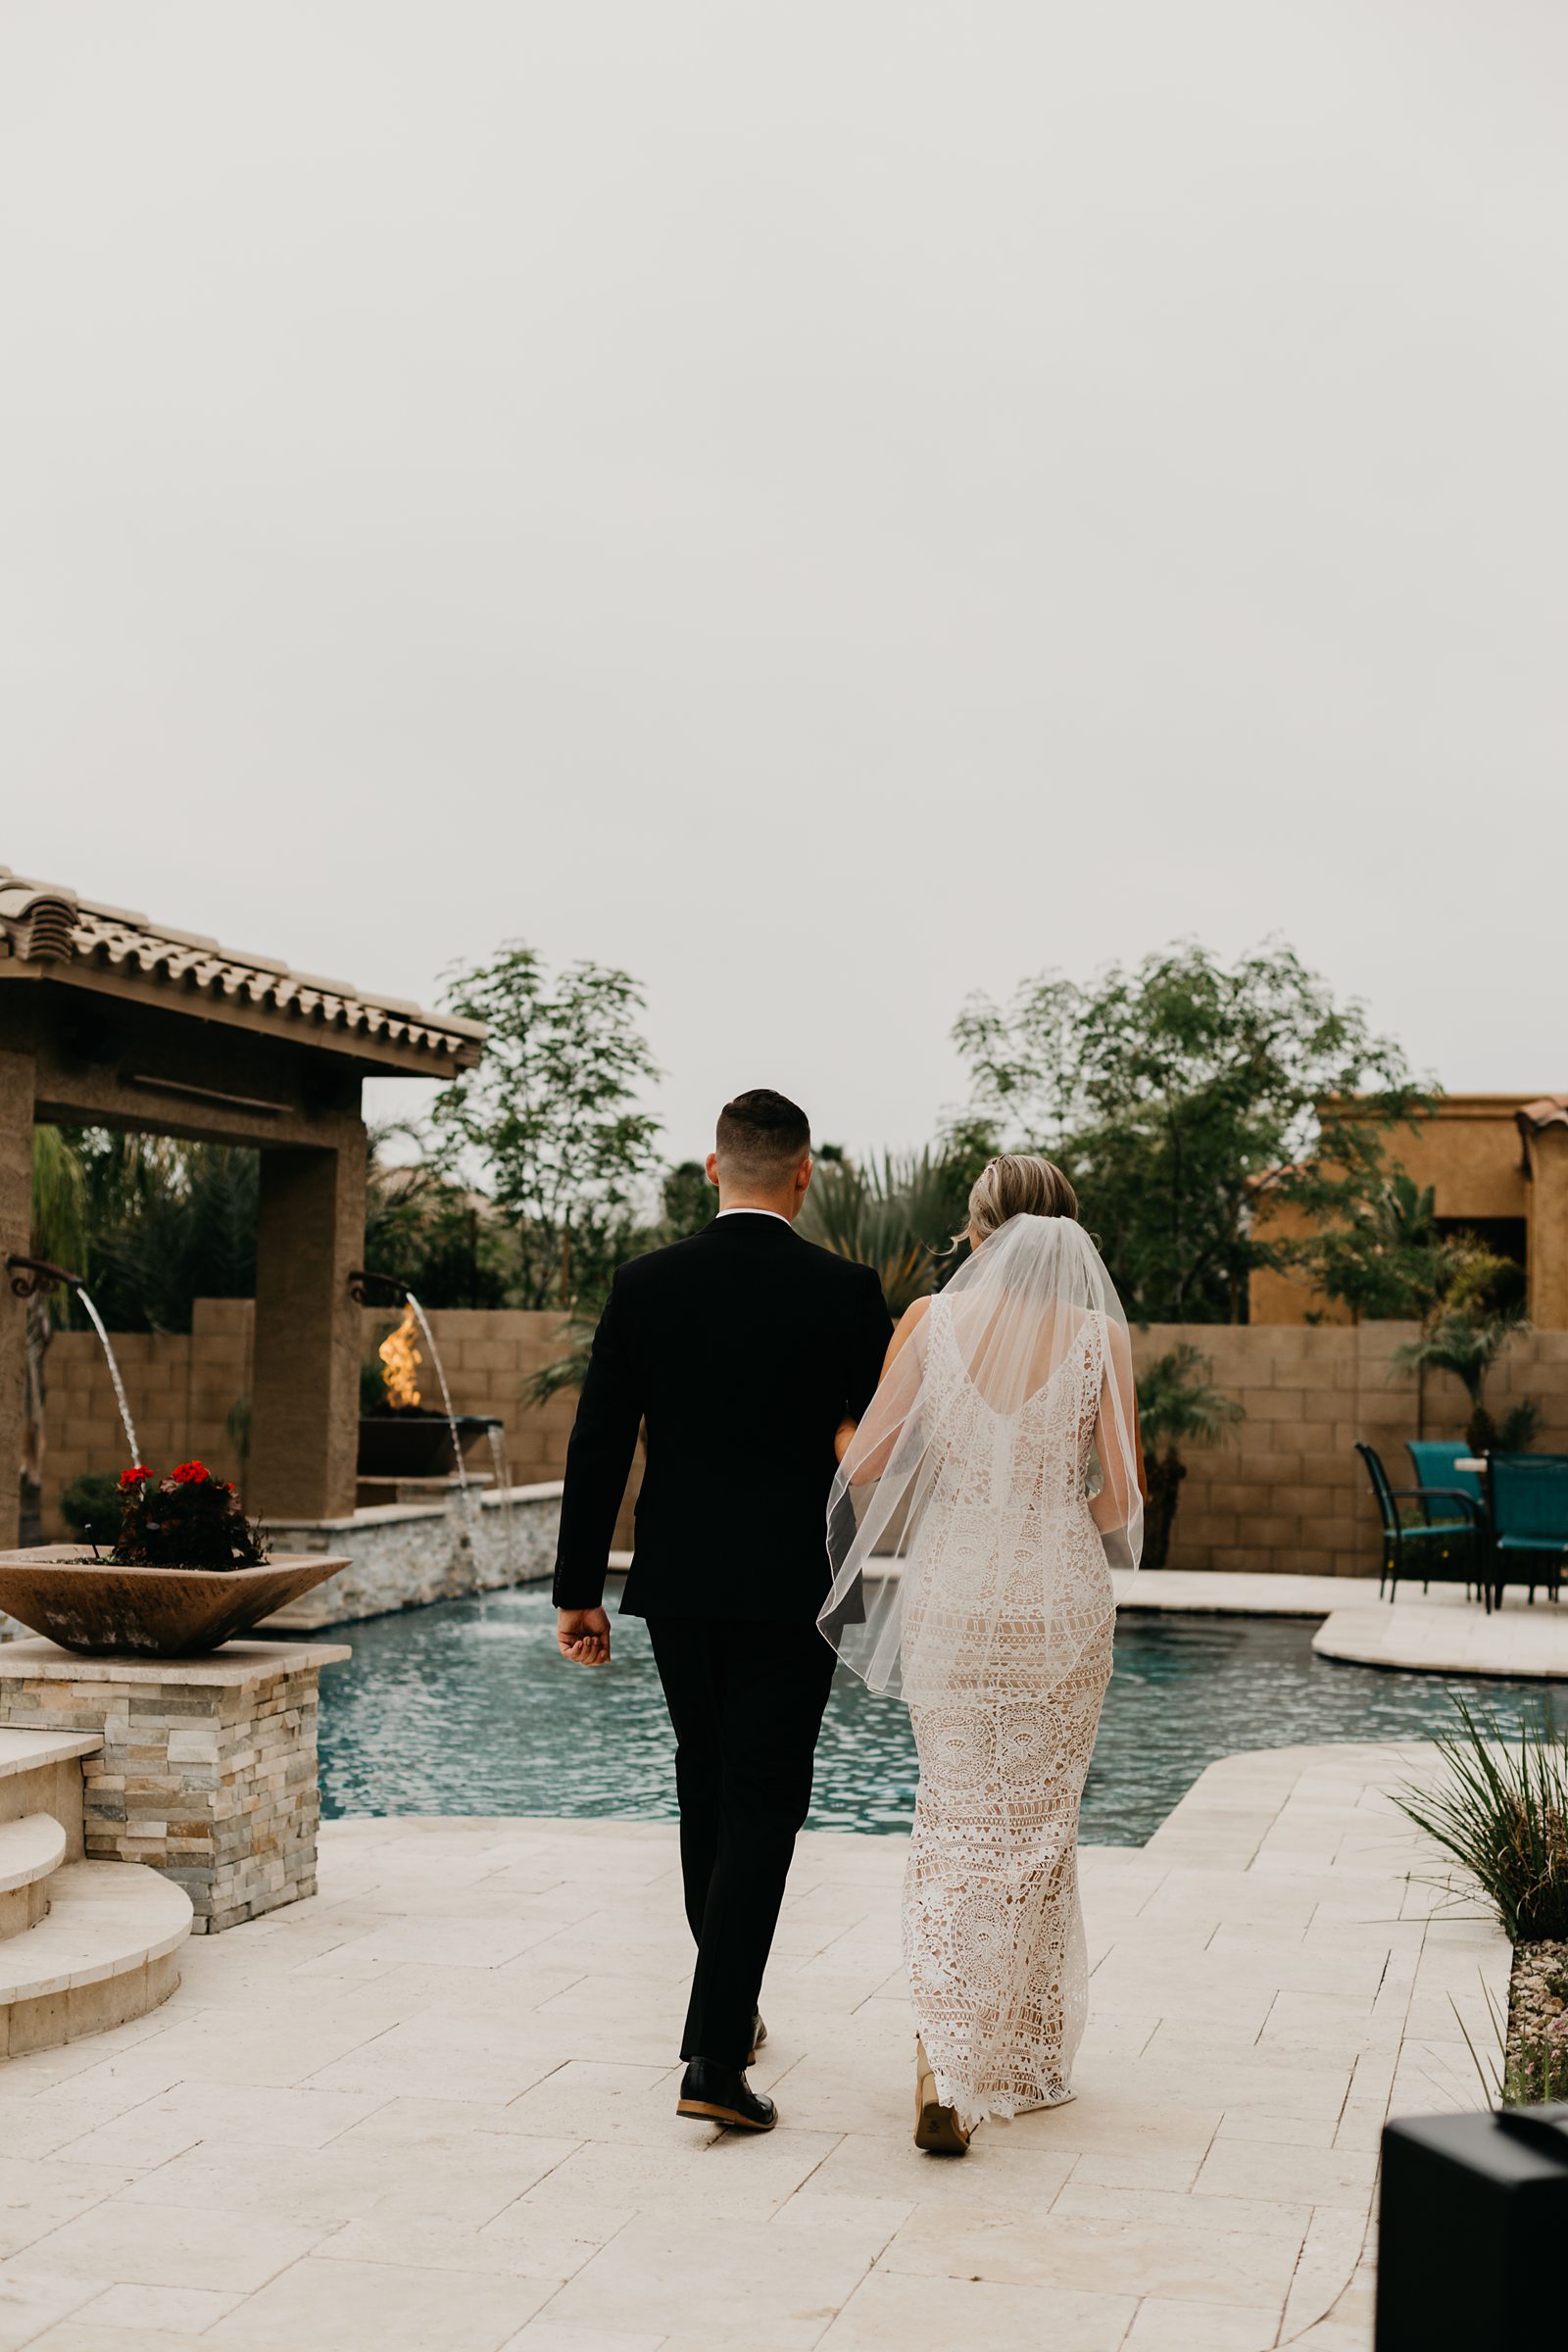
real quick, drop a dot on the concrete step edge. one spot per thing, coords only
(39, 1751)
(29, 1850)
(106, 1919)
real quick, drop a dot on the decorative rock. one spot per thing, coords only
(207, 1769)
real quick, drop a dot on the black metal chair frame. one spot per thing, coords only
(1397, 1533)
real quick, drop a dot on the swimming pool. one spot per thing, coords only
(465, 1707)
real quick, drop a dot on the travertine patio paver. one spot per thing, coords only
(434, 2106)
(1437, 1631)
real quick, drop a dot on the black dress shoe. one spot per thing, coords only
(759, 2035)
(721, 2094)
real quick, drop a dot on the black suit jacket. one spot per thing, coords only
(740, 1351)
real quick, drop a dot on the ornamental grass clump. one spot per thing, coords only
(191, 1520)
(1503, 1813)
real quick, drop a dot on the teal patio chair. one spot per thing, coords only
(1433, 1460)
(1529, 1494)
(1444, 1546)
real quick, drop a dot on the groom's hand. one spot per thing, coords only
(583, 1636)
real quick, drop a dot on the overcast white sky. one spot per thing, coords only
(829, 503)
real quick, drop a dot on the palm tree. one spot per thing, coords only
(1176, 1403)
(896, 1214)
(1465, 1337)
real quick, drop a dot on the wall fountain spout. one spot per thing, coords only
(30, 1275)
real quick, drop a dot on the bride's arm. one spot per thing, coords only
(873, 1461)
(1118, 1439)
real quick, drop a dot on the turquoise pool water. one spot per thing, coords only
(465, 1707)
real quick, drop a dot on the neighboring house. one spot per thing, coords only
(1498, 1166)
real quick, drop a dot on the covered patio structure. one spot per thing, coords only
(108, 1019)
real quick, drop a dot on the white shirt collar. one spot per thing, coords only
(750, 1212)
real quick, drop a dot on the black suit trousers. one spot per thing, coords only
(745, 1701)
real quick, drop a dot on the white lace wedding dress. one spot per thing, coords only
(1006, 1648)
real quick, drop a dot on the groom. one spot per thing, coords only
(741, 1352)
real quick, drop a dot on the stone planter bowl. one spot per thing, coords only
(60, 1590)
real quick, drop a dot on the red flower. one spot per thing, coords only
(129, 1478)
(191, 1474)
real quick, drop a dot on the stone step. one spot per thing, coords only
(107, 1953)
(31, 1848)
(40, 1771)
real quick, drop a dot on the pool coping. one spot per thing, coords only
(1440, 1633)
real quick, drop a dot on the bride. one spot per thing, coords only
(977, 1512)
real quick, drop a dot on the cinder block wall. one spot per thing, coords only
(1288, 1492)
(182, 1386)
(1285, 1492)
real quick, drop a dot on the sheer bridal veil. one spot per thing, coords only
(998, 1457)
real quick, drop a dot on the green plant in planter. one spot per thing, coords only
(1177, 1401)
(191, 1520)
(90, 1506)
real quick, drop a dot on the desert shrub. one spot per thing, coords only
(90, 1506)
(1502, 1811)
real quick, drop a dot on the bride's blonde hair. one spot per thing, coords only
(1018, 1184)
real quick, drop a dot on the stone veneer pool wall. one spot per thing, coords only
(404, 1554)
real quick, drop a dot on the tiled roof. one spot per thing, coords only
(44, 924)
(1547, 1110)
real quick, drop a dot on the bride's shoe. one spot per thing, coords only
(936, 2129)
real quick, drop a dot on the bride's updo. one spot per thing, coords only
(1019, 1184)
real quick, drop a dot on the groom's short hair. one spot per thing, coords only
(762, 1137)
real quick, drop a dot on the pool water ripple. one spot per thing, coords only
(466, 1707)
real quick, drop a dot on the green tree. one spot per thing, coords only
(1380, 1252)
(1473, 1323)
(1168, 1091)
(1177, 1403)
(169, 1223)
(421, 1227)
(688, 1200)
(547, 1121)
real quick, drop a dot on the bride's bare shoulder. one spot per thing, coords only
(907, 1324)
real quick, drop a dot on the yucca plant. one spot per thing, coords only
(1177, 1401)
(1502, 1812)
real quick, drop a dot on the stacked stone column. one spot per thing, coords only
(208, 1768)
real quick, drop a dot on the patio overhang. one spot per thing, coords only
(112, 963)
(109, 1020)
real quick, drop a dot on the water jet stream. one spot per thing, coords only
(97, 1322)
(424, 1321)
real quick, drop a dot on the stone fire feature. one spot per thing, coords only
(208, 1768)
